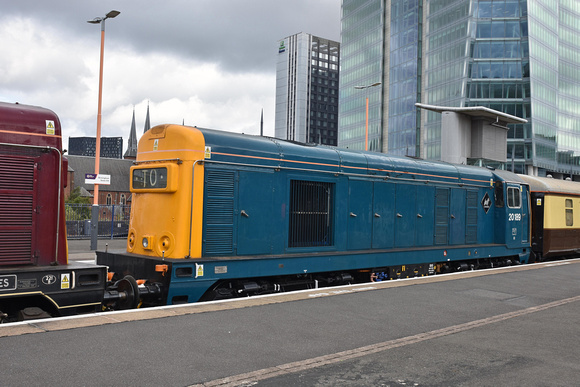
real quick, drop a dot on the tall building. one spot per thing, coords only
(515, 56)
(380, 45)
(111, 147)
(307, 89)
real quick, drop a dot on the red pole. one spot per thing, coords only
(99, 109)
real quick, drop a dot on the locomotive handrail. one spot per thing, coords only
(59, 187)
(191, 204)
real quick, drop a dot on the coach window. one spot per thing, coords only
(311, 214)
(514, 198)
(569, 213)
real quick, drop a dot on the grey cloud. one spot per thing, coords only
(238, 35)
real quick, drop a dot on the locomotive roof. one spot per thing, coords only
(547, 184)
(508, 176)
(273, 152)
(31, 125)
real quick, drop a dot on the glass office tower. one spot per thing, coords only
(307, 89)
(381, 62)
(516, 56)
(361, 65)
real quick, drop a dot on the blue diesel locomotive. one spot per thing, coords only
(219, 215)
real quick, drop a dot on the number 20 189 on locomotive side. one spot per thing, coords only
(515, 217)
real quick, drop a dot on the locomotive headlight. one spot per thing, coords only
(146, 242)
(131, 241)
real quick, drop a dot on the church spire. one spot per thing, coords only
(262, 124)
(147, 123)
(131, 152)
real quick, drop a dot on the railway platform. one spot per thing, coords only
(80, 249)
(510, 326)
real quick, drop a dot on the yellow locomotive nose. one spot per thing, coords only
(167, 189)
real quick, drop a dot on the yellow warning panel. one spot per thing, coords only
(65, 281)
(49, 127)
(198, 270)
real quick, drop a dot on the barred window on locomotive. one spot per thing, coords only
(311, 214)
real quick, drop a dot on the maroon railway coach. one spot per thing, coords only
(36, 278)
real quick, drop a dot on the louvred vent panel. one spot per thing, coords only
(16, 209)
(16, 173)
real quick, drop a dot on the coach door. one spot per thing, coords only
(425, 218)
(515, 220)
(457, 217)
(526, 219)
(405, 215)
(359, 224)
(254, 213)
(383, 215)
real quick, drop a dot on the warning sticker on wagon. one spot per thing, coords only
(65, 281)
(198, 270)
(50, 127)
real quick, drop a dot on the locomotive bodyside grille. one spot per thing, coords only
(219, 241)
(15, 247)
(442, 216)
(16, 173)
(219, 213)
(472, 207)
(311, 214)
(16, 209)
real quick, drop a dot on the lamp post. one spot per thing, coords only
(365, 87)
(95, 209)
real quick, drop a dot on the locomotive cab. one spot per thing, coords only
(511, 197)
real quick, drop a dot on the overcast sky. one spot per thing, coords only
(210, 63)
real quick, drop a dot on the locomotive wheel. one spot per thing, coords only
(129, 286)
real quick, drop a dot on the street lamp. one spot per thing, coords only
(95, 209)
(367, 115)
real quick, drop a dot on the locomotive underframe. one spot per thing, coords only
(177, 281)
(58, 291)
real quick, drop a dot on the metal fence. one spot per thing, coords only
(113, 221)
